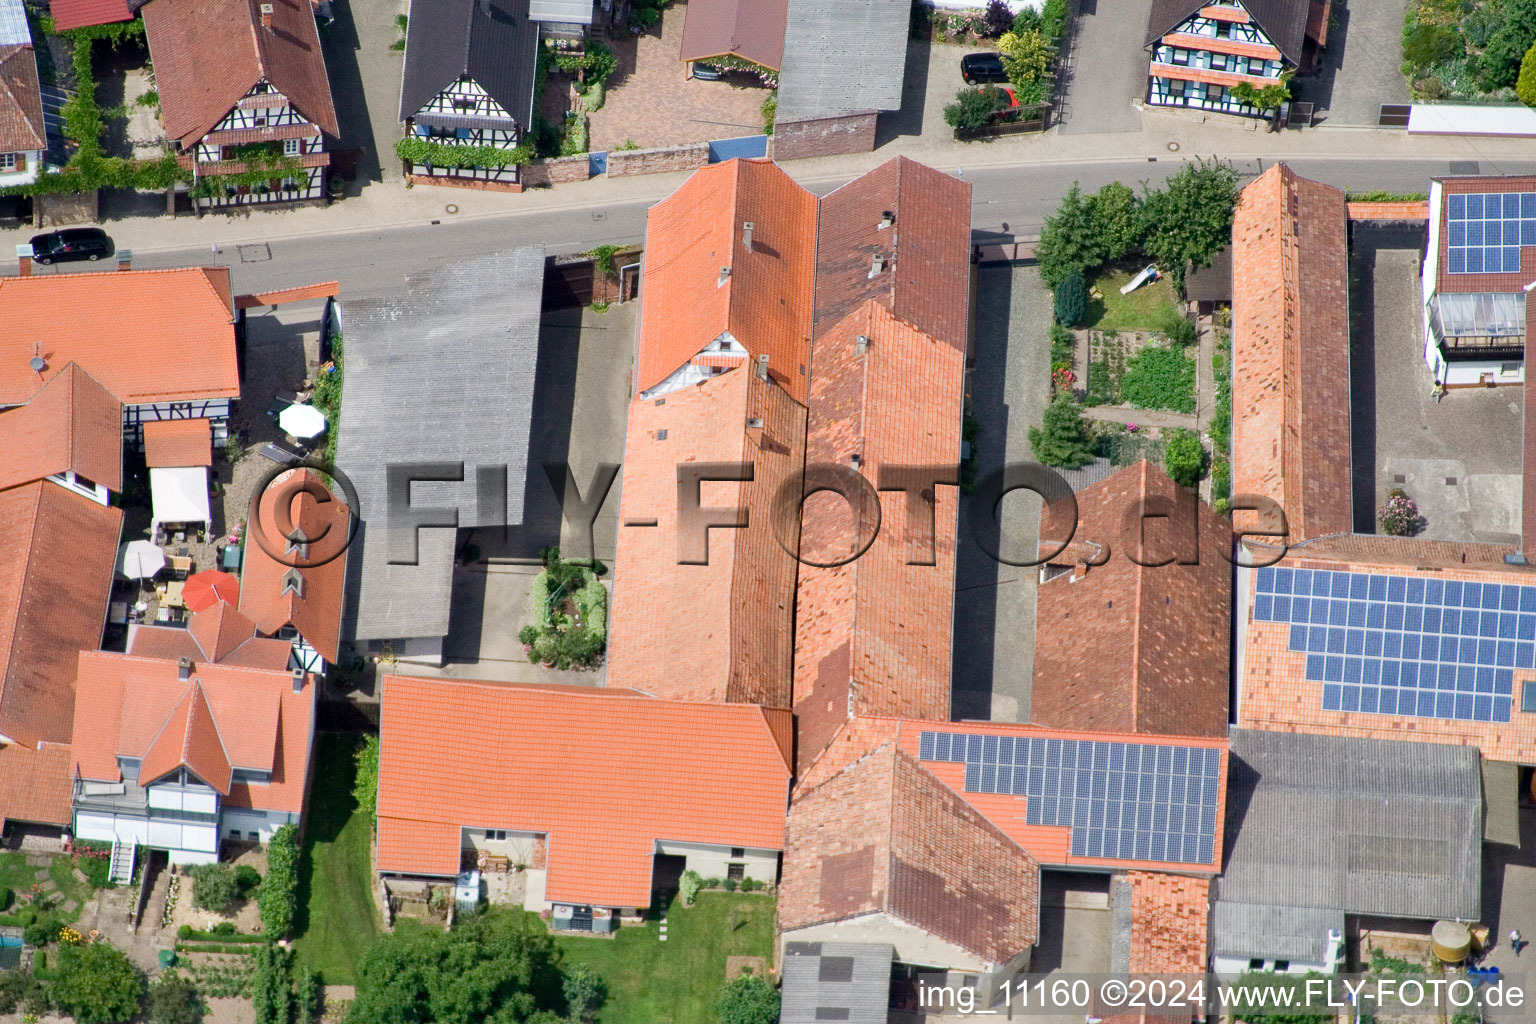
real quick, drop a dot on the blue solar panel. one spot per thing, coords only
(1123, 801)
(1397, 645)
(1484, 232)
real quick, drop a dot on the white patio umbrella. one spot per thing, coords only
(139, 560)
(303, 421)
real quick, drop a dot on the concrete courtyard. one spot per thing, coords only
(1459, 459)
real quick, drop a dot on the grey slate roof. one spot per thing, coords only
(1345, 825)
(1284, 22)
(838, 976)
(443, 371)
(494, 42)
(843, 57)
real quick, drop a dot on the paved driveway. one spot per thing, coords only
(1106, 67)
(365, 84)
(1360, 69)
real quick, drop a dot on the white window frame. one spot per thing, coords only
(9, 162)
(291, 147)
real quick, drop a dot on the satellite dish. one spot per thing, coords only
(38, 364)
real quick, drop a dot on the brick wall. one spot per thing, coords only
(827, 136)
(451, 182)
(624, 162)
(1390, 211)
(557, 171)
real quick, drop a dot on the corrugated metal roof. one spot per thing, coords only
(1361, 826)
(443, 371)
(1263, 931)
(854, 977)
(824, 40)
(13, 24)
(566, 12)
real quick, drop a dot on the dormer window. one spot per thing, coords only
(293, 582)
(297, 547)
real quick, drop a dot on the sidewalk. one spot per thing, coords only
(1168, 135)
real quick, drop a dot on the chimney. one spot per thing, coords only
(725, 275)
(863, 343)
(746, 234)
(184, 669)
(298, 680)
(24, 259)
(125, 259)
(762, 366)
(856, 460)
(875, 267)
(887, 219)
(266, 16)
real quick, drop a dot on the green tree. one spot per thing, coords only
(1067, 239)
(1116, 218)
(1026, 57)
(96, 984)
(1070, 302)
(1189, 220)
(277, 897)
(1525, 85)
(490, 968)
(1062, 438)
(1265, 97)
(747, 999)
(585, 991)
(174, 1000)
(1183, 458)
(365, 787)
(1499, 64)
(214, 887)
(973, 108)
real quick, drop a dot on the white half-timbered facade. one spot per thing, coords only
(1199, 58)
(264, 129)
(465, 115)
(215, 410)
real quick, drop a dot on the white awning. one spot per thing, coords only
(179, 495)
(1516, 119)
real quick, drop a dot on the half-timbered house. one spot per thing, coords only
(468, 88)
(244, 96)
(1203, 49)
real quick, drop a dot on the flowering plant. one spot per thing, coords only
(1399, 517)
(1131, 428)
(1063, 378)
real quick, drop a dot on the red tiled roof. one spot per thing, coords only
(217, 634)
(72, 423)
(57, 553)
(209, 54)
(1168, 923)
(765, 302)
(1449, 282)
(727, 630)
(876, 833)
(873, 636)
(1276, 694)
(926, 250)
(35, 784)
(172, 443)
(189, 739)
(315, 609)
(1290, 352)
(665, 770)
(145, 335)
(128, 703)
(70, 14)
(283, 296)
(1129, 648)
(753, 29)
(21, 102)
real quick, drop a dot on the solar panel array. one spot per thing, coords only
(1123, 801)
(1485, 231)
(1403, 645)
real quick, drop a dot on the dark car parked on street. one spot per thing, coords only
(982, 68)
(72, 244)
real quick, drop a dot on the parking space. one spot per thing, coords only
(1106, 67)
(1360, 68)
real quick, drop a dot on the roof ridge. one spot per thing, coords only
(16, 100)
(212, 718)
(1141, 596)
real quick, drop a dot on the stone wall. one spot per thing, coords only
(556, 171)
(827, 136)
(65, 208)
(624, 162)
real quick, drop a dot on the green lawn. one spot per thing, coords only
(336, 918)
(19, 877)
(674, 982)
(1145, 309)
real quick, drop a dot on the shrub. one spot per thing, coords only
(584, 991)
(306, 994)
(247, 879)
(214, 887)
(271, 987)
(688, 886)
(770, 112)
(1183, 458)
(1062, 438)
(729, 884)
(174, 1000)
(1026, 57)
(1070, 303)
(6, 896)
(94, 860)
(998, 18)
(1053, 18)
(747, 999)
(1027, 20)
(1175, 326)
(974, 108)
(1525, 85)
(1429, 44)
(1061, 344)
(365, 784)
(277, 897)
(1221, 481)
(1265, 97)
(25, 990)
(96, 984)
(1159, 378)
(184, 932)
(1399, 517)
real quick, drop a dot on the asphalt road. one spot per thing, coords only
(1007, 201)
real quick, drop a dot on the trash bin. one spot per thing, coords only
(167, 958)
